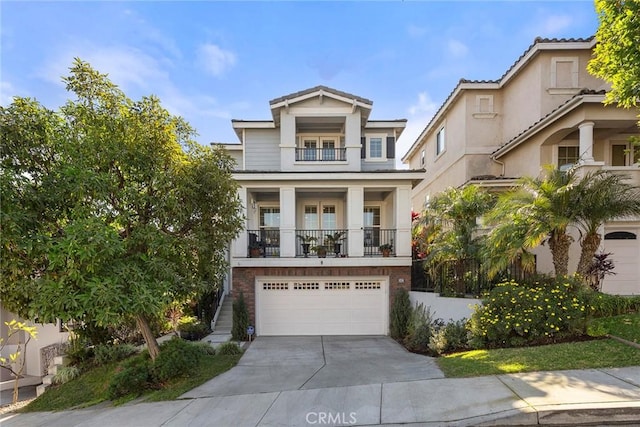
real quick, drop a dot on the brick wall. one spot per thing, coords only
(244, 278)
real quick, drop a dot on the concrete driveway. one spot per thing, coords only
(275, 364)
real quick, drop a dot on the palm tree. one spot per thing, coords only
(600, 197)
(539, 210)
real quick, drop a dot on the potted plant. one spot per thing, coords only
(254, 250)
(306, 243)
(334, 240)
(321, 250)
(386, 249)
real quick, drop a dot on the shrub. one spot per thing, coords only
(240, 319)
(78, 352)
(400, 314)
(192, 329)
(177, 358)
(229, 349)
(605, 305)
(449, 338)
(104, 353)
(205, 347)
(65, 374)
(514, 315)
(419, 329)
(132, 377)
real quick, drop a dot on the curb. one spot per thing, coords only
(623, 415)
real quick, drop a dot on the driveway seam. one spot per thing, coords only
(168, 420)
(324, 363)
(380, 412)
(616, 377)
(268, 409)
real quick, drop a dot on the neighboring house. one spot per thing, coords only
(37, 356)
(320, 168)
(546, 109)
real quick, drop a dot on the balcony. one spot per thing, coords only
(321, 154)
(265, 243)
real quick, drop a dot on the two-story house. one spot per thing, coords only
(545, 109)
(322, 201)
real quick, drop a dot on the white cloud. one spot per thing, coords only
(555, 24)
(214, 60)
(419, 115)
(456, 48)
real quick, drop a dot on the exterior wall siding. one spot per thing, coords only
(262, 150)
(244, 279)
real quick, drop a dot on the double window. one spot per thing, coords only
(319, 148)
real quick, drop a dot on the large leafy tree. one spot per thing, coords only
(109, 209)
(617, 56)
(449, 227)
(600, 197)
(539, 210)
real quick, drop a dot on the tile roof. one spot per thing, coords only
(318, 88)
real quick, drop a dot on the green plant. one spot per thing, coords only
(133, 377)
(104, 353)
(240, 319)
(605, 305)
(15, 363)
(78, 352)
(335, 237)
(177, 358)
(306, 238)
(419, 329)
(400, 314)
(229, 349)
(385, 247)
(65, 374)
(205, 347)
(513, 315)
(451, 337)
(192, 329)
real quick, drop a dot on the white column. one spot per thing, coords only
(355, 214)
(586, 142)
(287, 222)
(287, 141)
(403, 221)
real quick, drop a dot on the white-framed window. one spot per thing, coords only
(310, 146)
(311, 217)
(422, 158)
(568, 156)
(624, 154)
(269, 217)
(564, 75)
(440, 142)
(329, 148)
(371, 222)
(329, 217)
(375, 147)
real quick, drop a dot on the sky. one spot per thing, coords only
(211, 62)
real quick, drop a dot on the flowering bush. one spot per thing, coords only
(515, 314)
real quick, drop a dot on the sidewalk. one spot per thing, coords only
(580, 397)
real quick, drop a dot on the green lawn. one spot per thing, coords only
(91, 388)
(625, 326)
(606, 353)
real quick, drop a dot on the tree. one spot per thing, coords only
(449, 226)
(600, 197)
(110, 210)
(616, 57)
(16, 361)
(539, 210)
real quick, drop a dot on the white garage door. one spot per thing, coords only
(625, 253)
(309, 306)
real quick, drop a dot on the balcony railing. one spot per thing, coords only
(314, 242)
(263, 243)
(321, 154)
(375, 237)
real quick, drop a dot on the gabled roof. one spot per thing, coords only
(538, 45)
(318, 90)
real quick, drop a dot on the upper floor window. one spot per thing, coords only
(440, 142)
(568, 156)
(376, 148)
(311, 148)
(422, 158)
(624, 154)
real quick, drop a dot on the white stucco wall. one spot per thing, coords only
(443, 307)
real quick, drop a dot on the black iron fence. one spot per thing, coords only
(323, 243)
(263, 243)
(379, 241)
(462, 277)
(321, 154)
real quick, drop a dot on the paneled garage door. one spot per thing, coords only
(625, 253)
(310, 306)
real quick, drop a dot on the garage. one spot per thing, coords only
(322, 306)
(625, 253)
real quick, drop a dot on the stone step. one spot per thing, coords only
(53, 369)
(61, 360)
(41, 389)
(47, 379)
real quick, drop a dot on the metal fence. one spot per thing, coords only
(467, 277)
(332, 242)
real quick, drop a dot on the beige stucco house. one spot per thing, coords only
(320, 168)
(545, 109)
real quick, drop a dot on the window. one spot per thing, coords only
(440, 142)
(375, 148)
(371, 223)
(620, 235)
(310, 145)
(329, 218)
(311, 217)
(621, 153)
(269, 217)
(328, 149)
(422, 158)
(568, 156)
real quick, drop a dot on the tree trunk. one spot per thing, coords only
(590, 244)
(149, 338)
(559, 244)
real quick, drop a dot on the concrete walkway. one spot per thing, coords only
(286, 382)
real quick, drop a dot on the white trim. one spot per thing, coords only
(383, 147)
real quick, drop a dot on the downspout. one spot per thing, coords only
(498, 162)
